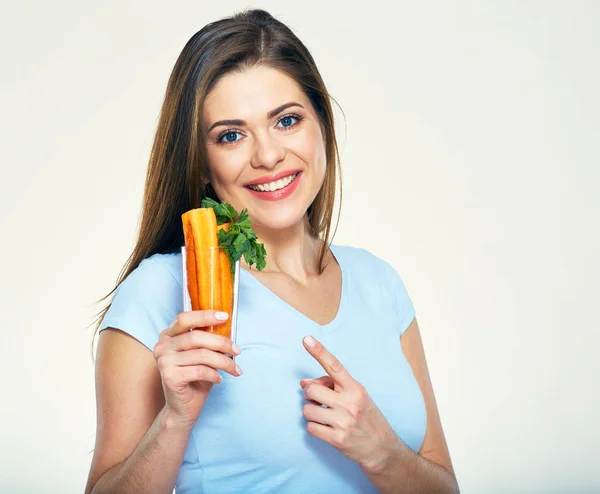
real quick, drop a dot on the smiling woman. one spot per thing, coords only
(269, 151)
(247, 119)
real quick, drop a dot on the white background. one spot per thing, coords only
(471, 163)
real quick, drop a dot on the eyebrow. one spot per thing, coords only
(240, 123)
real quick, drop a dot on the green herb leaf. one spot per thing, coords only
(224, 212)
(240, 238)
(240, 242)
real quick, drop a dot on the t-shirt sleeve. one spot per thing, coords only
(145, 303)
(404, 307)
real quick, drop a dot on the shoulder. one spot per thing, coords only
(165, 265)
(363, 262)
(147, 300)
(153, 275)
(376, 279)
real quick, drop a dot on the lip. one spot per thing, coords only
(273, 177)
(279, 194)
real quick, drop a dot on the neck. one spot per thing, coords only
(292, 251)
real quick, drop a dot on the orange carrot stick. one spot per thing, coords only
(226, 302)
(204, 225)
(191, 270)
(226, 290)
(200, 226)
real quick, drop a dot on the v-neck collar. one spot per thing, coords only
(336, 321)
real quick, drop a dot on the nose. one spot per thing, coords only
(268, 151)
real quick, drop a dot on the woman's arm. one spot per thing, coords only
(431, 470)
(407, 472)
(139, 447)
(153, 466)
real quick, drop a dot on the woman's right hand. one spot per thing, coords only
(188, 363)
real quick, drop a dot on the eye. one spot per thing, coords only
(229, 137)
(289, 120)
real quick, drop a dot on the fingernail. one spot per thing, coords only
(236, 349)
(221, 316)
(238, 370)
(310, 341)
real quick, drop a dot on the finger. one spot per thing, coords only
(184, 321)
(324, 380)
(202, 356)
(202, 339)
(200, 373)
(316, 413)
(324, 432)
(329, 362)
(322, 395)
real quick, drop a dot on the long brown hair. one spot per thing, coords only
(177, 164)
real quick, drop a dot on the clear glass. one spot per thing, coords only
(209, 284)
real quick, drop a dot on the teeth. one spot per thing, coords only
(271, 186)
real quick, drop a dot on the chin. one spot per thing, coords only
(279, 219)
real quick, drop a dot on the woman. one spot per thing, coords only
(349, 408)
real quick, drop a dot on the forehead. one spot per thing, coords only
(250, 94)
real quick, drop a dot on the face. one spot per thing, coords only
(261, 128)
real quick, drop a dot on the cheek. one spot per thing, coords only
(319, 159)
(311, 148)
(225, 165)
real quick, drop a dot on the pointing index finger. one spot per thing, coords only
(328, 361)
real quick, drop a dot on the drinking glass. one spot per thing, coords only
(209, 284)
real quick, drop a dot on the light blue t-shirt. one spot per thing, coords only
(251, 435)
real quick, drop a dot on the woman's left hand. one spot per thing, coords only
(351, 423)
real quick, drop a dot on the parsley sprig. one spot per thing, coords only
(240, 238)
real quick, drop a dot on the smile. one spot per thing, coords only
(272, 186)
